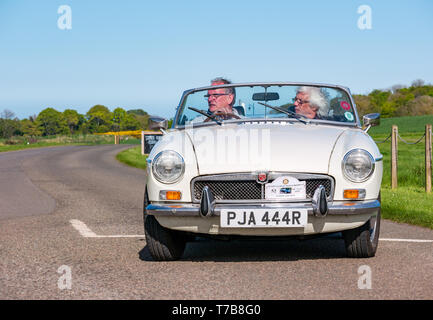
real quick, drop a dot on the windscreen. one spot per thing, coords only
(305, 103)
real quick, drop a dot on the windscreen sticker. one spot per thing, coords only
(349, 116)
(345, 105)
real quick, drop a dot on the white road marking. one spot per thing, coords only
(406, 240)
(85, 231)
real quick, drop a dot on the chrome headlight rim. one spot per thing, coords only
(343, 165)
(155, 162)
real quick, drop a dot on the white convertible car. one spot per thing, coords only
(263, 160)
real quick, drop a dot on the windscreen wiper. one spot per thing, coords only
(289, 113)
(205, 114)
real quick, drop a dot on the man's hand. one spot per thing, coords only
(222, 115)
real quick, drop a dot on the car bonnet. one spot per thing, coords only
(291, 147)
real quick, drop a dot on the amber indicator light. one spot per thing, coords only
(351, 194)
(173, 195)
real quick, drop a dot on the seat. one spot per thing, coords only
(240, 110)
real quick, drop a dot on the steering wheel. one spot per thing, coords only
(222, 115)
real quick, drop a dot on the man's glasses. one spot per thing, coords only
(300, 101)
(215, 95)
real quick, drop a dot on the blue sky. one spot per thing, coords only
(144, 54)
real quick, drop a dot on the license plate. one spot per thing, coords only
(263, 218)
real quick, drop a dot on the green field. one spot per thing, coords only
(405, 125)
(409, 203)
(19, 143)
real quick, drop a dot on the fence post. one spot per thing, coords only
(428, 157)
(142, 143)
(394, 156)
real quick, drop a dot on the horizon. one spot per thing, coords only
(143, 55)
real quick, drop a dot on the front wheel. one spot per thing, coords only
(362, 242)
(164, 244)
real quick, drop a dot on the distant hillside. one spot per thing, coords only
(398, 100)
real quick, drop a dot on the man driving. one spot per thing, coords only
(220, 101)
(310, 102)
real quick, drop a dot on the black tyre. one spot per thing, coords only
(163, 244)
(362, 242)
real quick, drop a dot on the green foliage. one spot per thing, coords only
(138, 112)
(99, 119)
(9, 125)
(30, 128)
(398, 101)
(51, 122)
(141, 116)
(73, 120)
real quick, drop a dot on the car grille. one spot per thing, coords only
(237, 190)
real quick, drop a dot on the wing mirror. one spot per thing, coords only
(371, 120)
(156, 123)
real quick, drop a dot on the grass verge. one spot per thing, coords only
(409, 205)
(132, 157)
(20, 143)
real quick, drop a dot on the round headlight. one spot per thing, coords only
(358, 165)
(168, 166)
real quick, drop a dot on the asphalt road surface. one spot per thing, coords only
(77, 211)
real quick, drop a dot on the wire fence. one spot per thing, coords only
(395, 137)
(387, 138)
(418, 141)
(403, 140)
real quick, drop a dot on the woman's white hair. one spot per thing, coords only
(317, 98)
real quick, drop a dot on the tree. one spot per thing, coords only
(7, 114)
(30, 128)
(394, 89)
(378, 99)
(141, 116)
(99, 119)
(418, 83)
(51, 122)
(8, 126)
(138, 112)
(119, 116)
(129, 123)
(419, 106)
(363, 104)
(73, 120)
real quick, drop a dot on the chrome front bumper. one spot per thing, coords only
(193, 210)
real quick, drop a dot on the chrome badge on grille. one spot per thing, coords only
(262, 177)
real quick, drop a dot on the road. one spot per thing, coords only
(44, 192)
